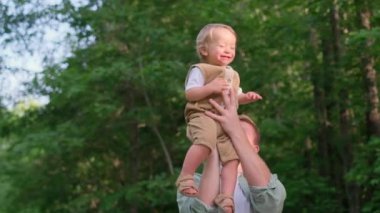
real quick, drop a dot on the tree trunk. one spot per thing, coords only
(364, 15)
(322, 80)
(369, 72)
(352, 190)
(134, 165)
(155, 128)
(343, 146)
(332, 103)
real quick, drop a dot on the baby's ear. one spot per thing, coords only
(203, 51)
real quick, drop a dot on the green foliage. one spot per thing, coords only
(365, 172)
(116, 105)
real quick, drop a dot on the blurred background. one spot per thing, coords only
(92, 100)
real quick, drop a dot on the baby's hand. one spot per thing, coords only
(249, 97)
(218, 85)
(253, 96)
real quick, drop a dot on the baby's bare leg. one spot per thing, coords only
(194, 157)
(228, 180)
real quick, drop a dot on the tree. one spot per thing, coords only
(112, 138)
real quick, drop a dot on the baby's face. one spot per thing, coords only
(221, 49)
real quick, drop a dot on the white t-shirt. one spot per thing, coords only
(196, 79)
(242, 204)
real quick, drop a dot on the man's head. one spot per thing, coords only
(251, 131)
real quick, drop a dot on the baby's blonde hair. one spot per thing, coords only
(205, 35)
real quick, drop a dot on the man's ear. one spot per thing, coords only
(256, 148)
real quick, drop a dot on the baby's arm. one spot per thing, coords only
(248, 97)
(216, 86)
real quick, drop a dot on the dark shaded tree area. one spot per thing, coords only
(112, 138)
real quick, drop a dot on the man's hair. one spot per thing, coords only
(257, 134)
(206, 35)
